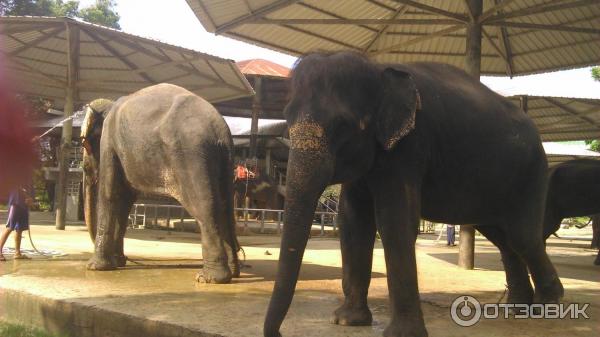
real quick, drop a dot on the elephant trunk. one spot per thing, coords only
(90, 195)
(91, 132)
(308, 175)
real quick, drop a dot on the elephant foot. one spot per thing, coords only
(520, 294)
(98, 263)
(214, 273)
(356, 316)
(550, 292)
(409, 327)
(121, 260)
(597, 260)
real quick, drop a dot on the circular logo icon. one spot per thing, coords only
(465, 311)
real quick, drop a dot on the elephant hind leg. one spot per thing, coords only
(113, 194)
(527, 241)
(517, 277)
(203, 198)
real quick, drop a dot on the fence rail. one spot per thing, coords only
(141, 212)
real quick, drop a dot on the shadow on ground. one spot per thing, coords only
(581, 269)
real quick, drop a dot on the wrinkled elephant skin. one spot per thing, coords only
(160, 140)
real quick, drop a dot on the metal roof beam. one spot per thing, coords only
(562, 45)
(496, 9)
(559, 28)
(8, 29)
(254, 15)
(418, 40)
(333, 15)
(499, 51)
(572, 111)
(163, 57)
(543, 8)
(319, 36)
(118, 55)
(504, 40)
(31, 44)
(562, 120)
(434, 10)
(357, 22)
(36, 71)
(270, 45)
(382, 31)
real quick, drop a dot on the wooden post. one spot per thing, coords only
(67, 127)
(256, 107)
(466, 246)
(523, 100)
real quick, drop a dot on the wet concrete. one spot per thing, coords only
(156, 295)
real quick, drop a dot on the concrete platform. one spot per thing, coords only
(156, 295)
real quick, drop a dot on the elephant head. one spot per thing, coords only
(342, 110)
(91, 131)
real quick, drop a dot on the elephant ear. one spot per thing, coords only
(399, 103)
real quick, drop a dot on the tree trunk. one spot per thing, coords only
(595, 231)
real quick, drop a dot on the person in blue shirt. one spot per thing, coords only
(450, 235)
(19, 202)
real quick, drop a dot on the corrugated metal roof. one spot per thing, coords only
(563, 118)
(263, 68)
(520, 36)
(111, 63)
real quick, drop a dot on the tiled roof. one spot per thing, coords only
(263, 67)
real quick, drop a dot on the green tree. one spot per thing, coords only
(102, 13)
(596, 73)
(39, 7)
(594, 145)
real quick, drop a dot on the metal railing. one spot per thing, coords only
(140, 212)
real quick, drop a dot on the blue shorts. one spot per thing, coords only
(18, 218)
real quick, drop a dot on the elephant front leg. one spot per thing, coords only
(397, 210)
(357, 236)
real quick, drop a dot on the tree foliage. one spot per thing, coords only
(596, 73)
(101, 13)
(594, 145)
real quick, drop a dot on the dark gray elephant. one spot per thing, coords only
(408, 141)
(573, 190)
(160, 140)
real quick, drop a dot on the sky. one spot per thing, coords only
(172, 21)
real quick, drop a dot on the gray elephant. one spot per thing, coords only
(160, 140)
(408, 141)
(573, 190)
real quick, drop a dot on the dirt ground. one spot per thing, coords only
(158, 284)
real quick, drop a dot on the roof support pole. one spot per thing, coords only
(523, 103)
(466, 248)
(256, 107)
(67, 128)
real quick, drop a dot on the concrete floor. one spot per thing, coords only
(156, 295)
